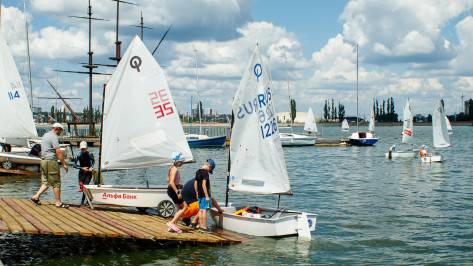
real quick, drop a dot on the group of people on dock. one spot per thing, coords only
(193, 199)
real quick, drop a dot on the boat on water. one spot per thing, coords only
(141, 136)
(449, 126)
(202, 140)
(16, 117)
(256, 163)
(345, 126)
(291, 138)
(407, 135)
(439, 133)
(361, 138)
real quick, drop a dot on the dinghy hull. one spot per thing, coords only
(401, 154)
(204, 141)
(430, 159)
(281, 224)
(289, 139)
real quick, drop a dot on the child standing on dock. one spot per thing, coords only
(202, 189)
(84, 162)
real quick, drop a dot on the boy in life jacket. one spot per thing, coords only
(423, 151)
(84, 162)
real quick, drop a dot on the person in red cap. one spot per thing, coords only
(202, 189)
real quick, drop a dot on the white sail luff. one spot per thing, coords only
(439, 127)
(449, 126)
(408, 124)
(310, 124)
(257, 161)
(16, 117)
(141, 126)
(345, 125)
(371, 125)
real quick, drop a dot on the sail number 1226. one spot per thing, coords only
(268, 129)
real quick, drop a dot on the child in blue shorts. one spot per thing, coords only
(202, 189)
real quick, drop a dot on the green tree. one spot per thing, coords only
(325, 111)
(293, 110)
(199, 110)
(341, 112)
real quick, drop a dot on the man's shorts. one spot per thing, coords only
(203, 205)
(50, 174)
(192, 209)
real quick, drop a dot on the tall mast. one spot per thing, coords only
(117, 42)
(357, 88)
(288, 90)
(28, 52)
(198, 93)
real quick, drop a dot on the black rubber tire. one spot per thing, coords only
(165, 208)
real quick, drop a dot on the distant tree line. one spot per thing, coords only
(332, 113)
(385, 112)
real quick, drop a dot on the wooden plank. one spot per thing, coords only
(12, 224)
(145, 225)
(99, 225)
(63, 215)
(3, 228)
(117, 224)
(43, 229)
(18, 172)
(64, 228)
(27, 227)
(234, 238)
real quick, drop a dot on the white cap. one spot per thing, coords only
(58, 125)
(83, 145)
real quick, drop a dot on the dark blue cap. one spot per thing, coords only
(212, 163)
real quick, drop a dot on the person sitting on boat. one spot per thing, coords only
(84, 162)
(36, 150)
(202, 187)
(423, 151)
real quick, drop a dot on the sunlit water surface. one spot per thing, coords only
(371, 210)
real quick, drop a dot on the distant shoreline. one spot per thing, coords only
(322, 124)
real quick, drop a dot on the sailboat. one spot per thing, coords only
(449, 126)
(310, 126)
(361, 138)
(141, 129)
(16, 117)
(345, 126)
(439, 132)
(201, 140)
(292, 139)
(257, 163)
(407, 134)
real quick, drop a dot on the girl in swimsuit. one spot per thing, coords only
(174, 186)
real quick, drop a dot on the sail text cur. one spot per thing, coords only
(161, 103)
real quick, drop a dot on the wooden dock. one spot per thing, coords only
(21, 216)
(321, 142)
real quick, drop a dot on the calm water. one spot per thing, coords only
(371, 210)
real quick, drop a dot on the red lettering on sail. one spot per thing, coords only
(407, 132)
(161, 103)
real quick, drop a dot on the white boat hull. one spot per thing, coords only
(286, 222)
(290, 139)
(130, 196)
(432, 158)
(401, 154)
(19, 158)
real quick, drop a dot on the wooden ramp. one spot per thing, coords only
(20, 216)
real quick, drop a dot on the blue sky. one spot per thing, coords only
(408, 49)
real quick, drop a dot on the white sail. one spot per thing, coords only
(439, 127)
(408, 124)
(310, 124)
(257, 161)
(449, 126)
(141, 126)
(16, 117)
(371, 125)
(345, 125)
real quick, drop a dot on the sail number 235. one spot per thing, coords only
(269, 128)
(161, 103)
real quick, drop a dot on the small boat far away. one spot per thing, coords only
(345, 126)
(439, 133)
(407, 135)
(202, 140)
(257, 163)
(362, 138)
